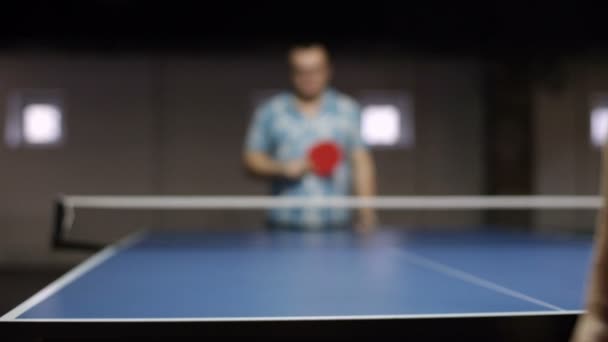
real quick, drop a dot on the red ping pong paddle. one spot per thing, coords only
(324, 157)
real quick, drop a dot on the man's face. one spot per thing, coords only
(310, 71)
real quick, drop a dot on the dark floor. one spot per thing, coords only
(16, 285)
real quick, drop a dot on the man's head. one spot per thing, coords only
(310, 69)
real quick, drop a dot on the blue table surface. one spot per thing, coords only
(293, 274)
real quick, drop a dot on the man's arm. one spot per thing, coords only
(364, 173)
(597, 302)
(593, 326)
(263, 165)
(257, 144)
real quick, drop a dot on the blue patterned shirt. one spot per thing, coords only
(281, 131)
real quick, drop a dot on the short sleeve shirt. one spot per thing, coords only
(281, 131)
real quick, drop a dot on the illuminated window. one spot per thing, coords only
(387, 119)
(41, 124)
(35, 119)
(380, 124)
(599, 125)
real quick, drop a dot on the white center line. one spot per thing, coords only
(470, 278)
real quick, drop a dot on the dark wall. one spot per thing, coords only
(174, 124)
(566, 162)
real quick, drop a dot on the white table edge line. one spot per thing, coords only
(75, 273)
(309, 318)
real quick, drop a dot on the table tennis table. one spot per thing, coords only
(423, 284)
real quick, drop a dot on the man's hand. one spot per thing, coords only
(367, 221)
(593, 326)
(365, 186)
(263, 165)
(295, 169)
(590, 328)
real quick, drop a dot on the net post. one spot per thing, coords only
(58, 240)
(58, 220)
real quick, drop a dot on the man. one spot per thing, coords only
(593, 326)
(289, 124)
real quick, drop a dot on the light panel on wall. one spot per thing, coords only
(35, 118)
(387, 119)
(599, 125)
(380, 125)
(42, 124)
